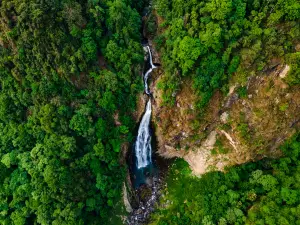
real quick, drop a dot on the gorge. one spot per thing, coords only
(142, 112)
(145, 173)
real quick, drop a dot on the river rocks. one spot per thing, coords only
(148, 197)
(144, 192)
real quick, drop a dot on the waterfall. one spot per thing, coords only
(147, 74)
(143, 143)
(143, 148)
(146, 175)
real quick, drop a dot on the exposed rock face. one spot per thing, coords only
(149, 196)
(234, 130)
(141, 104)
(224, 117)
(126, 200)
(284, 71)
(198, 159)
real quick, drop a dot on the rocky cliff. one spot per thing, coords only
(246, 124)
(235, 129)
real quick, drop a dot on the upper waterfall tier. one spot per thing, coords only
(147, 74)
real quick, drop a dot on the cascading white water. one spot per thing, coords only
(146, 76)
(143, 148)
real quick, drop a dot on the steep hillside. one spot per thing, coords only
(248, 124)
(227, 107)
(230, 99)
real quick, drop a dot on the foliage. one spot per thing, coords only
(265, 192)
(211, 40)
(293, 76)
(219, 148)
(242, 92)
(67, 68)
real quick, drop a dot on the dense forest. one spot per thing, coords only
(211, 40)
(266, 192)
(70, 72)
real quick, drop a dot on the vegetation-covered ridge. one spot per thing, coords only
(265, 192)
(253, 48)
(69, 76)
(212, 40)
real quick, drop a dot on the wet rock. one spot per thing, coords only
(146, 206)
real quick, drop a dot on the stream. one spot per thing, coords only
(146, 179)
